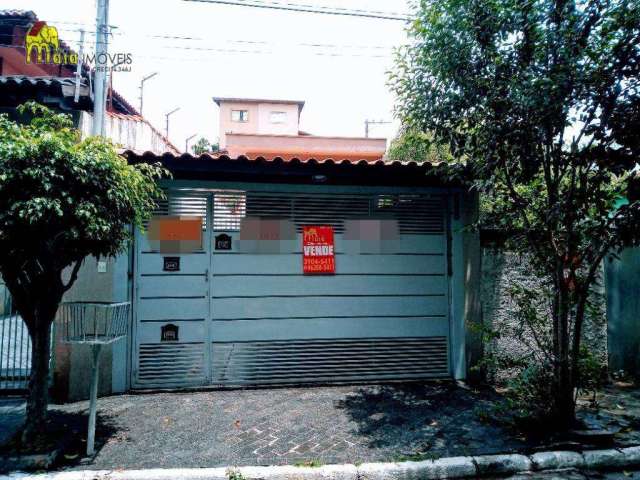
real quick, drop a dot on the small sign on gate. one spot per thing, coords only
(169, 333)
(171, 264)
(318, 252)
(223, 242)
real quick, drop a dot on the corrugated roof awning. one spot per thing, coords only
(58, 91)
(276, 169)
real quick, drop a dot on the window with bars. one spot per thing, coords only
(228, 210)
(184, 205)
(415, 213)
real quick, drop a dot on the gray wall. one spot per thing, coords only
(472, 271)
(72, 368)
(623, 311)
(500, 270)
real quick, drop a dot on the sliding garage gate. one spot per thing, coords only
(248, 316)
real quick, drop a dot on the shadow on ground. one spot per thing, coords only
(76, 453)
(65, 431)
(432, 419)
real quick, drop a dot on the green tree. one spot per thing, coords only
(542, 99)
(204, 146)
(61, 199)
(417, 146)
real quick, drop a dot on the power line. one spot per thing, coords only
(187, 38)
(122, 34)
(293, 7)
(316, 48)
(243, 41)
(327, 53)
(329, 49)
(324, 7)
(223, 51)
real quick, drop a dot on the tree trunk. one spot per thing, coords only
(36, 296)
(563, 402)
(38, 398)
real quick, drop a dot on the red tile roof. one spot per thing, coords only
(275, 169)
(335, 160)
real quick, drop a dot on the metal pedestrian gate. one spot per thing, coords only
(246, 314)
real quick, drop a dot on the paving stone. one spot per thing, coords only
(502, 464)
(597, 459)
(557, 460)
(305, 446)
(631, 455)
(453, 467)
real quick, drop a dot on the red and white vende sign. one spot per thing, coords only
(318, 252)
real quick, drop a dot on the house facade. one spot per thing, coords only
(242, 308)
(266, 128)
(312, 259)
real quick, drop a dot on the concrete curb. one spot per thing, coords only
(443, 468)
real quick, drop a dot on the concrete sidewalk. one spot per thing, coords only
(543, 465)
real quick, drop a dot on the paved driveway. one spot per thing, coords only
(292, 425)
(301, 425)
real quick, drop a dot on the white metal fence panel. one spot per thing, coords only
(15, 346)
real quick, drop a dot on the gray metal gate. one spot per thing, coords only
(252, 317)
(15, 346)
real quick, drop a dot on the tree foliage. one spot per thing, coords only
(542, 98)
(61, 199)
(204, 146)
(417, 146)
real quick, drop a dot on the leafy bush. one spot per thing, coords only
(528, 402)
(520, 360)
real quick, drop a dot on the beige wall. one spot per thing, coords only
(289, 127)
(259, 121)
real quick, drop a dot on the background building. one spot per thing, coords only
(267, 128)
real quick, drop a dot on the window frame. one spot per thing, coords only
(281, 113)
(240, 120)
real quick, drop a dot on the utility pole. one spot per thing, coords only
(372, 122)
(76, 95)
(144, 79)
(166, 116)
(109, 91)
(186, 142)
(100, 84)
